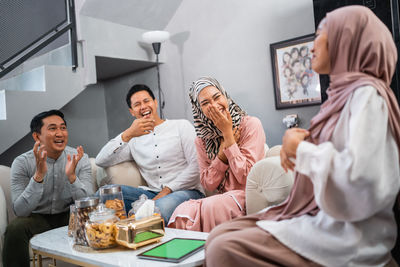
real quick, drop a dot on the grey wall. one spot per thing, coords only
(87, 125)
(229, 39)
(17, 149)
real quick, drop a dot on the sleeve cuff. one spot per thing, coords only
(303, 152)
(33, 185)
(173, 187)
(119, 139)
(232, 152)
(34, 189)
(76, 185)
(120, 143)
(219, 165)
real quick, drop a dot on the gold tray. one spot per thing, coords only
(133, 233)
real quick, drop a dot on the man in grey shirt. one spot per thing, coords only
(44, 182)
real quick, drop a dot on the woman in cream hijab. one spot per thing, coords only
(228, 144)
(339, 212)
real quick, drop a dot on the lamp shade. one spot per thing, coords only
(155, 36)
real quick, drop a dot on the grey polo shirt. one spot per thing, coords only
(55, 193)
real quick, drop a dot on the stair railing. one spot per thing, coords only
(14, 49)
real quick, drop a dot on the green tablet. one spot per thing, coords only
(174, 250)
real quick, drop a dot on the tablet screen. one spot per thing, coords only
(174, 250)
(143, 236)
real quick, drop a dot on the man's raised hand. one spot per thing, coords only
(71, 164)
(138, 128)
(41, 166)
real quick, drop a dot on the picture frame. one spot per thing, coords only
(295, 83)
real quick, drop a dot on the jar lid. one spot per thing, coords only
(110, 189)
(86, 202)
(101, 213)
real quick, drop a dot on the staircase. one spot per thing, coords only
(106, 49)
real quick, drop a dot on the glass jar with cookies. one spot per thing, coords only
(100, 228)
(72, 221)
(83, 208)
(111, 196)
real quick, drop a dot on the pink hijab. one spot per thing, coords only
(362, 52)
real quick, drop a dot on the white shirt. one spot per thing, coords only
(356, 178)
(165, 157)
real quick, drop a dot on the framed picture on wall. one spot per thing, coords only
(295, 83)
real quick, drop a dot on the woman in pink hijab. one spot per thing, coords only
(339, 212)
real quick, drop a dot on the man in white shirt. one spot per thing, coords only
(164, 151)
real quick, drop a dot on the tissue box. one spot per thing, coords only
(133, 233)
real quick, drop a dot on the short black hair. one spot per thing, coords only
(37, 121)
(137, 88)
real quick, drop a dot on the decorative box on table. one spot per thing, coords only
(133, 233)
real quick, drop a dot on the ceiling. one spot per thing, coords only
(109, 68)
(143, 14)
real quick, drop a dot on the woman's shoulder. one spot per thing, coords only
(365, 89)
(200, 145)
(366, 99)
(250, 121)
(198, 141)
(365, 93)
(252, 129)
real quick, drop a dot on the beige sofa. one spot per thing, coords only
(267, 184)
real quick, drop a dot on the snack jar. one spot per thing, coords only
(111, 196)
(71, 224)
(100, 228)
(83, 207)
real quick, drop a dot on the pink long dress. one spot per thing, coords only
(204, 214)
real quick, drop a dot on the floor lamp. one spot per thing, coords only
(155, 38)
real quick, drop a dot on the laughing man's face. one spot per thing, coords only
(143, 105)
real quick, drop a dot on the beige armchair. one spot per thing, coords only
(6, 212)
(4, 174)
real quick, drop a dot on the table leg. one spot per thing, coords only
(54, 263)
(40, 260)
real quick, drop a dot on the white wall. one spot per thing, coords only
(229, 39)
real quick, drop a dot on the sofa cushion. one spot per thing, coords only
(125, 173)
(274, 151)
(3, 212)
(5, 178)
(267, 184)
